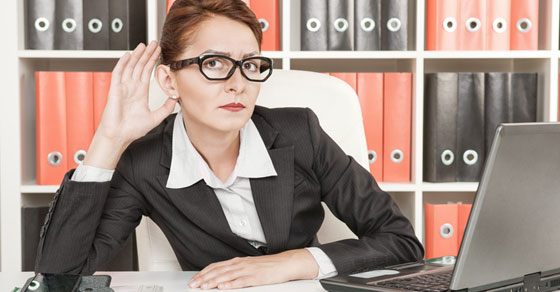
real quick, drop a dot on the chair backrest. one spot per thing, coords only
(336, 105)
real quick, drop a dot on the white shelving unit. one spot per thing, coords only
(17, 103)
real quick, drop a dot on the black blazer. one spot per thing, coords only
(88, 222)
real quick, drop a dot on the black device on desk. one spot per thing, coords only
(511, 242)
(67, 283)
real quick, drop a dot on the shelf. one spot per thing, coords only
(450, 187)
(353, 55)
(62, 54)
(486, 54)
(36, 189)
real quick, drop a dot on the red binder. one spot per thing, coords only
(50, 100)
(397, 110)
(441, 230)
(464, 210)
(370, 94)
(101, 85)
(348, 77)
(79, 115)
(267, 12)
(498, 24)
(442, 24)
(524, 25)
(169, 3)
(471, 32)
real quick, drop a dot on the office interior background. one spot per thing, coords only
(409, 50)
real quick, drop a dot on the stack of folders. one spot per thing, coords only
(69, 106)
(445, 225)
(268, 14)
(462, 113)
(85, 24)
(386, 103)
(482, 25)
(361, 25)
(32, 218)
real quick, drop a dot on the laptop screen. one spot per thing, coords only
(513, 229)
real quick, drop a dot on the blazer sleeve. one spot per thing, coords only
(89, 222)
(386, 236)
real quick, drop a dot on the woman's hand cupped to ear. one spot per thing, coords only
(127, 115)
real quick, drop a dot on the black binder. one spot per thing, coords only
(39, 24)
(440, 124)
(496, 103)
(394, 25)
(69, 34)
(96, 24)
(367, 25)
(314, 25)
(127, 24)
(470, 127)
(339, 32)
(524, 97)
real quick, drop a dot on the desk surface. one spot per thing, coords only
(171, 281)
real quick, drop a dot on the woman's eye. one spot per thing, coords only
(250, 66)
(213, 64)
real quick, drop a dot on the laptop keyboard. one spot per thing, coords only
(428, 282)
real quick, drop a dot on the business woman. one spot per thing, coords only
(236, 188)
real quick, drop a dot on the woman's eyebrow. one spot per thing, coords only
(254, 53)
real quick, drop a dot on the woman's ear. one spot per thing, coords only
(166, 81)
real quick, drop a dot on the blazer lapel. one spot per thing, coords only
(199, 202)
(201, 206)
(273, 196)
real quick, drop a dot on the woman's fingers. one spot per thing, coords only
(165, 110)
(144, 58)
(134, 57)
(147, 72)
(116, 76)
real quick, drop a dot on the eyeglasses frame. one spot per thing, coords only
(180, 64)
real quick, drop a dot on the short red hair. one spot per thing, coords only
(185, 17)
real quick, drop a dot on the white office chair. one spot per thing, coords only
(338, 110)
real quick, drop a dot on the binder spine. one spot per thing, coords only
(69, 33)
(339, 28)
(394, 25)
(440, 138)
(314, 25)
(367, 25)
(96, 24)
(40, 24)
(470, 127)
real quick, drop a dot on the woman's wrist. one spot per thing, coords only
(303, 264)
(105, 152)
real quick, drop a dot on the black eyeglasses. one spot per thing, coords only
(219, 67)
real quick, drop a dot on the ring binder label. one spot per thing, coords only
(313, 24)
(372, 156)
(499, 25)
(264, 24)
(54, 158)
(524, 25)
(69, 25)
(473, 24)
(95, 25)
(470, 157)
(42, 24)
(447, 157)
(449, 24)
(446, 230)
(397, 156)
(367, 24)
(394, 24)
(341, 25)
(117, 25)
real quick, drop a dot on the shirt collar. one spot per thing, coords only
(188, 166)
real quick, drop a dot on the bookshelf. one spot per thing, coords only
(17, 104)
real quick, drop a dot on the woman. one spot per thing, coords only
(236, 188)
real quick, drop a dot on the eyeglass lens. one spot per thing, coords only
(220, 67)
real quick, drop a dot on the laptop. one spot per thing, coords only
(512, 240)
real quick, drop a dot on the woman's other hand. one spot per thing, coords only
(127, 115)
(237, 273)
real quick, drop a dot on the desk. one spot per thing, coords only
(171, 281)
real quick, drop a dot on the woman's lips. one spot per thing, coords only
(233, 107)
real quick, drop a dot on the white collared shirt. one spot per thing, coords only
(235, 195)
